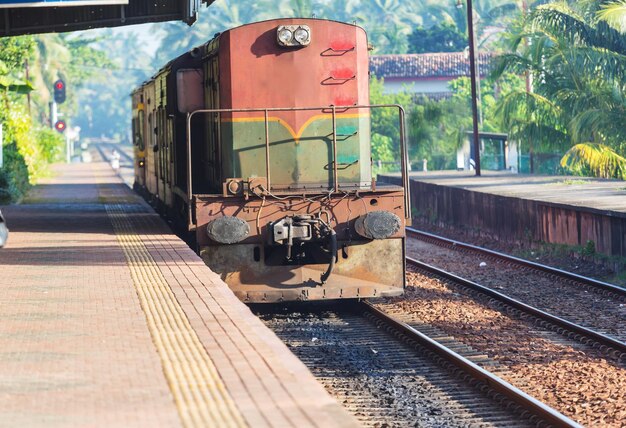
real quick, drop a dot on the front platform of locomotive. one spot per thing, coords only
(297, 214)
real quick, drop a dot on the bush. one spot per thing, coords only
(14, 180)
(50, 144)
(28, 149)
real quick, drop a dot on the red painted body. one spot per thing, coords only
(257, 73)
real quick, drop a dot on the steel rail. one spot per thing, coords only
(526, 263)
(602, 339)
(498, 385)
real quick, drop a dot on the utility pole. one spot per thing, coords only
(472, 55)
(54, 117)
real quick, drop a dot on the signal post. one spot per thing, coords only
(55, 122)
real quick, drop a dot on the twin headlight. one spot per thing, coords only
(293, 35)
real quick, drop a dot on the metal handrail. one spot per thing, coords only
(403, 144)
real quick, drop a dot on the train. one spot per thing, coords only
(257, 145)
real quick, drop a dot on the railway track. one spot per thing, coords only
(106, 150)
(390, 374)
(574, 368)
(495, 255)
(126, 170)
(582, 308)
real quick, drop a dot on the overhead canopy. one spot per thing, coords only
(15, 21)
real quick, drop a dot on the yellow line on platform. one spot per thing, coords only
(199, 393)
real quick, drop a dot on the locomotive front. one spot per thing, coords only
(280, 182)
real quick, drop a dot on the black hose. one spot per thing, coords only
(333, 255)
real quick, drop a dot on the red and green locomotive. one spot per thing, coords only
(258, 142)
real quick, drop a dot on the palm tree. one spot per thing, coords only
(614, 14)
(388, 22)
(578, 63)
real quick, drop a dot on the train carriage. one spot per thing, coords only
(139, 130)
(262, 148)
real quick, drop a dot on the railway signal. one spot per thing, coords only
(59, 91)
(60, 126)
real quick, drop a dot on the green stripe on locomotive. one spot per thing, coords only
(299, 160)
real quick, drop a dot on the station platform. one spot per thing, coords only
(554, 209)
(108, 319)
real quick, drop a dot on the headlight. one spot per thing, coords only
(293, 35)
(284, 36)
(301, 35)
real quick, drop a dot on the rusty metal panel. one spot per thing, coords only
(371, 269)
(341, 209)
(364, 268)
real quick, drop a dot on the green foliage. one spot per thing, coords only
(576, 62)
(614, 14)
(444, 37)
(13, 176)
(385, 124)
(383, 150)
(388, 23)
(15, 50)
(105, 101)
(50, 143)
(438, 128)
(594, 159)
(589, 249)
(27, 147)
(13, 53)
(76, 58)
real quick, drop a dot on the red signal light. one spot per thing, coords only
(60, 126)
(59, 91)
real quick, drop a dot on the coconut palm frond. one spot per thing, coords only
(545, 137)
(561, 21)
(595, 61)
(614, 14)
(599, 125)
(511, 62)
(597, 159)
(522, 102)
(609, 38)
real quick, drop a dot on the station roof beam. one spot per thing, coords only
(15, 21)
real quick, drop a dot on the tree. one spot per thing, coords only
(28, 146)
(105, 100)
(443, 37)
(578, 64)
(614, 14)
(388, 22)
(14, 52)
(385, 126)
